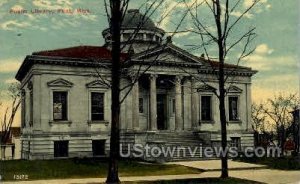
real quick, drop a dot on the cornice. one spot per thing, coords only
(230, 72)
(32, 60)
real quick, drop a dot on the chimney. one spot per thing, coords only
(202, 56)
(133, 11)
(169, 39)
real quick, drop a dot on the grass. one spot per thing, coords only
(283, 163)
(195, 181)
(84, 168)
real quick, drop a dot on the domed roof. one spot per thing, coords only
(133, 19)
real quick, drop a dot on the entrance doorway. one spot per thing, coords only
(161, 112)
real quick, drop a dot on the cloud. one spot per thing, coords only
(238, 14)
(183, 33)
(258, 8)
(268, 63)
(17, 7)
(171, 12)
(50, 5)
(9, 65)
(263, 60)
(248, 3)
(12, 24)
(272, 77)
(263, 49)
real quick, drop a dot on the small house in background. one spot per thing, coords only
(12, 148)
(296, 129)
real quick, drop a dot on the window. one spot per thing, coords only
(149, 37)
(141, 105)
(98, 147)
(206, 108)
(97, 106)
(31, 109)
(61, 148)
(233, 108)
(60, 105)
(236, 142)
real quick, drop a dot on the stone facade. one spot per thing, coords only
(66, 105)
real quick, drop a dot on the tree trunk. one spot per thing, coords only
(221, 48)
(115, 26)
(223, 121)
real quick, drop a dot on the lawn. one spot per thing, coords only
(196, 181)
(283, 163)
(84, 168)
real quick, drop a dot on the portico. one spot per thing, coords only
(165, 97)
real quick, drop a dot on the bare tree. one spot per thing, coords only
(258, 116)
(259, 121)
(10, 113)
(115, 29)
(115, 12)
(221, 34)
(279, 111)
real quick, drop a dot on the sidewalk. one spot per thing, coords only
(262, 175)
(244, 170)
(215, 165)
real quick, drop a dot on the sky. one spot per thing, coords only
(276, 22)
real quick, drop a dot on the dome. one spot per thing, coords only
(133, 19)
(137, 28)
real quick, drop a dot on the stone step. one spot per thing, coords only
(179, 141)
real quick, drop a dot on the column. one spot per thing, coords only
(23, 106)
(194, 103)
(153, 103)
(126, 106)
(135, 105)
(248, 106)
(178, 104)
(187, 104)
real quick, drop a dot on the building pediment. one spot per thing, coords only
(169, 54)
(206, 88)
(97, 84)
(234, 89)
(60, 83)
